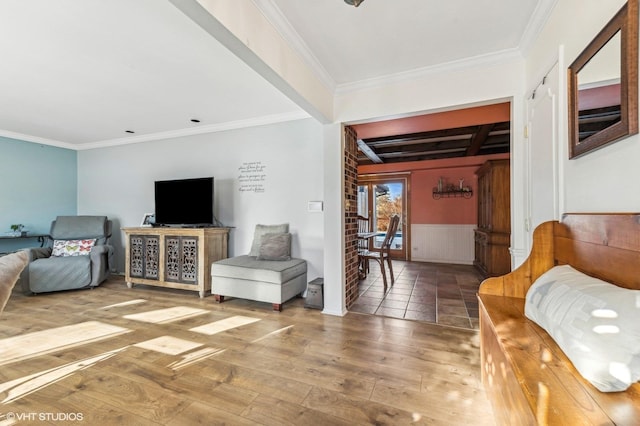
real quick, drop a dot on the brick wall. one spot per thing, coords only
(351, 215)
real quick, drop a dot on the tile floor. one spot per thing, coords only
(432, 292)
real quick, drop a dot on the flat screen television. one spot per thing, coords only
(184, 202)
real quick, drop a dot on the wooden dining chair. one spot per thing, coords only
(384, 253)
(363, 245)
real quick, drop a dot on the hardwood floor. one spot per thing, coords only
(432, 292)
(150, 356)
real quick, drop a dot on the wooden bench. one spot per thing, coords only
(528, 378)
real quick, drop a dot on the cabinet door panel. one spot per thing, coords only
(136, 260)
(152, 257)
(172, 258)
(181, 259)
(189, 258)
(144, 258)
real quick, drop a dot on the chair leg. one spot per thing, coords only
(384, 274)
(362, 271)
(390, 270)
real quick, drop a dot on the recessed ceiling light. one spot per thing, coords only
(129, 131)
(195, 120)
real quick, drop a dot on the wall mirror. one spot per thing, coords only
(603, 85)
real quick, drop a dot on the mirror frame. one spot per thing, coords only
(625, 21)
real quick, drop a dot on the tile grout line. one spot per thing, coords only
(464, 302)
(413, 288)
(437, 279)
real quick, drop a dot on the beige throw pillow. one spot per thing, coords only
(10, 267)
(262, 230)
(275, 247)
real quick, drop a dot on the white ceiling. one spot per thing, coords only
(386, 37)
(80, 73)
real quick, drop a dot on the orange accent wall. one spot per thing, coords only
(424, 177)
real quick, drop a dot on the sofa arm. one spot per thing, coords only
(38, 253)
(34, 253)
(102, 250)
(97, 251)
(101, 261)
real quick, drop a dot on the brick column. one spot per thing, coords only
(351, 215)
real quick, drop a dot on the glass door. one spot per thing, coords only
(379, 198)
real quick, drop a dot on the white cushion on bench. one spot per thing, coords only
(248, 268)
(271, 281)
(595, 323)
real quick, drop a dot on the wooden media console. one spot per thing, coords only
(174, 257)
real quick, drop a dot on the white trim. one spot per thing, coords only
(274, 15)
(537, 22)
(601, 83)
(36, 139)
(490, 58)
(563, 129)
(213, 128)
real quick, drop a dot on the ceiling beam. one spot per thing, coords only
(419, 137)
(479, 139)
(426, 140)
(422, 153)
(364, 148)
(424, 147)
(246, 32)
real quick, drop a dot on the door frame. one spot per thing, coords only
(405, 219)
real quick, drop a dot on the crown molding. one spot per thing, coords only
(375, 82)
(274, 15)
(536, 24)
(213, 128)
(36, 139)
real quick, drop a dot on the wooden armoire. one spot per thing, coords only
(493, 234)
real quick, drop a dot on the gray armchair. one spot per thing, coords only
(62, 268)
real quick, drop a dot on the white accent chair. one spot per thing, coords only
(267, 274)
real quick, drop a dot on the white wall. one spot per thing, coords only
(118, 182)
(441, 89)
(334, 246)
(603, 180)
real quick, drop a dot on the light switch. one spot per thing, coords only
(314, 206)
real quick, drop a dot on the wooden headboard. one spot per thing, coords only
(603, 245)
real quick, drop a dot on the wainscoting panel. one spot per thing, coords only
(443, 243)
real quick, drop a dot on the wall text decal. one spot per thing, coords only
(251, 176)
